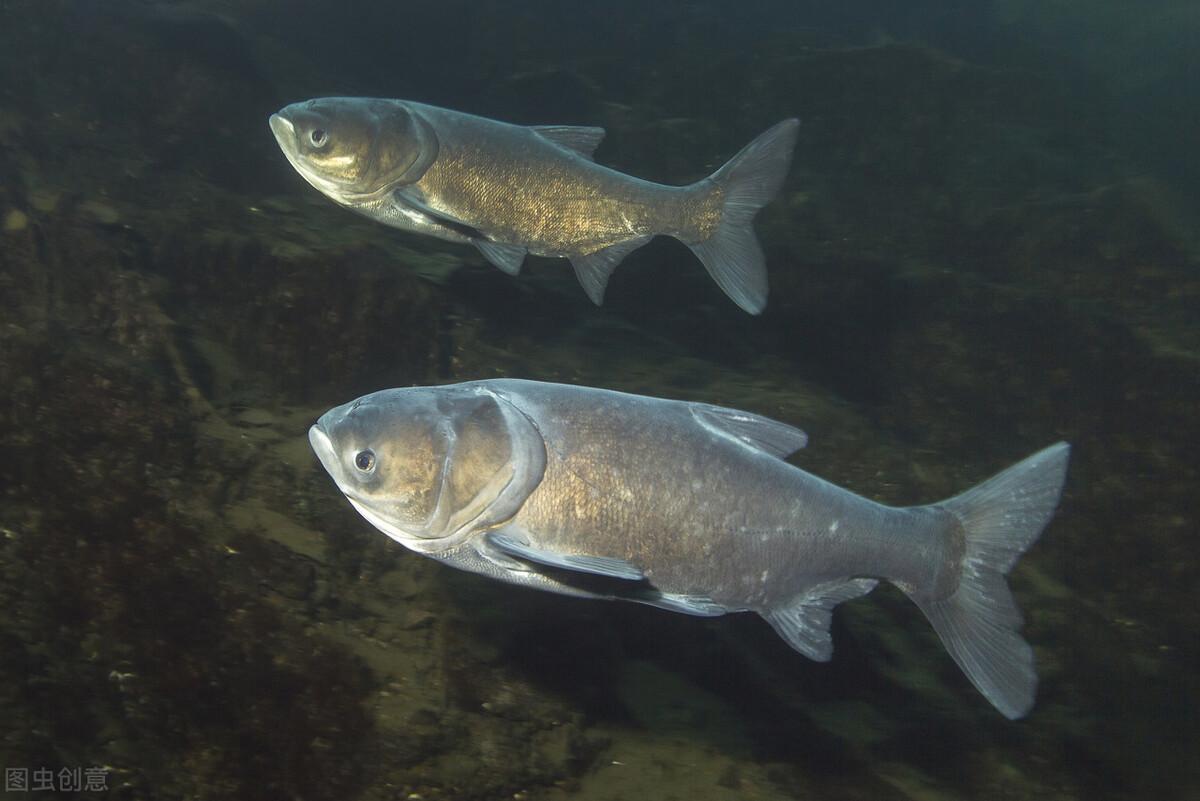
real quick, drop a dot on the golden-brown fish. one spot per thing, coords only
(511, 189)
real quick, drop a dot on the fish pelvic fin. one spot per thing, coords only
(748, 181)
(979, 622)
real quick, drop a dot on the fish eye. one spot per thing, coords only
(365, 460)
(319, 137)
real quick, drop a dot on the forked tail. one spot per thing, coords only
(748, 181)
(979, 621)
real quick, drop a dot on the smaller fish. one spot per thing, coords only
(686, 507)
(510, 190)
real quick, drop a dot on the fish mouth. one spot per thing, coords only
(285, 132)
(285, 136)
(323, 448)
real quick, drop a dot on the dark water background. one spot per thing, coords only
(988, 242)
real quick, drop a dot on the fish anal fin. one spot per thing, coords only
(594, 269)
(577, 138)
(752, 430)
(507, 257)
(608, 566)
(804, 621)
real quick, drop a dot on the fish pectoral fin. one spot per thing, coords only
(599, 565)
(758, 432)
(594, 269)
(697, 605)
(578, 139)
(413, 198)
(410, 201)
(499, 557)
(804, 621)
(507, 257)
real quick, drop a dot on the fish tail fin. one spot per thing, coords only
(979, 621)
(748, 181)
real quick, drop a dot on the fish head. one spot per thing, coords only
(431, 466)
(355, 149)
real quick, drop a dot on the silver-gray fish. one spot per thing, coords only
(513, 189)
(684, 506)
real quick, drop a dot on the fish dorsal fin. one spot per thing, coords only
(804, 621)
(507, 257)
(579, 139)
(594, 269)
(752, 430)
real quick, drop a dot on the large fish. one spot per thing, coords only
(512, 189)
(684, 506)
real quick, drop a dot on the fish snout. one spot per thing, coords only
(284, 130)
(323, 448)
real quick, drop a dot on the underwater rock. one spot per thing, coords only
(44, 200)
(192, 648)
(322, 324)
(100, 212)
(15, 220)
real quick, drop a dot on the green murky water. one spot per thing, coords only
(987, 242)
